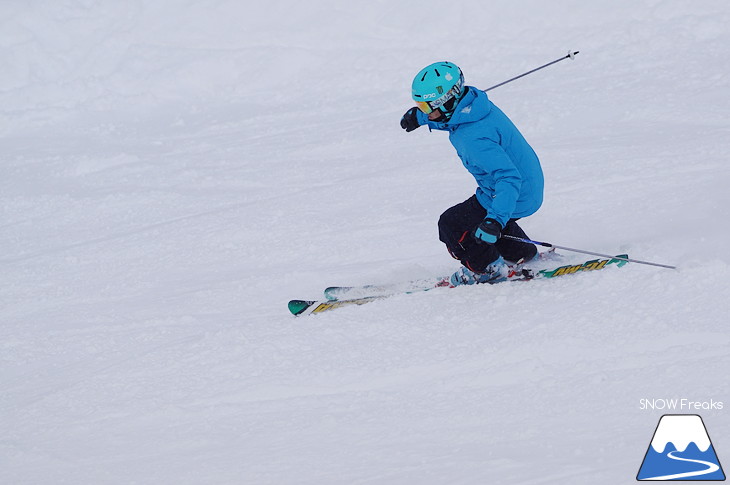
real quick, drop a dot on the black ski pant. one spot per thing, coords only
(456, 230)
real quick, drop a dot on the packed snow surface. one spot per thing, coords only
(173, 172)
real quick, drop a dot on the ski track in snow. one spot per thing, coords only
(174, 173)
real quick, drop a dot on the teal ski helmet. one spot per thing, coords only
(438, 86)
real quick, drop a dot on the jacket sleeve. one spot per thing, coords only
(489, 157)
(432, 125)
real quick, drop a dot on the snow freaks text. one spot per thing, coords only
(679, 404)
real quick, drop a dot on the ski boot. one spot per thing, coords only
(496, 272)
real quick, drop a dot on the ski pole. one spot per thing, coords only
(571, 55)
(548, 245)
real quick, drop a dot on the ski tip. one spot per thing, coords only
(296, 307)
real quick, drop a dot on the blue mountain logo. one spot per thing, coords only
(681, 450)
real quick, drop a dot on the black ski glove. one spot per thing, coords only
(409, 121)
(489, 231)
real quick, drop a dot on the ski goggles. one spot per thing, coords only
(429, 107)
(447, 101)
(424, 106)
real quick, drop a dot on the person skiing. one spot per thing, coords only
(506, 168)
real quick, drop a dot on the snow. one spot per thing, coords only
(173, 172)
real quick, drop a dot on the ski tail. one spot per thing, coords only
(307, 307)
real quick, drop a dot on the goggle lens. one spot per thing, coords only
(424, 106)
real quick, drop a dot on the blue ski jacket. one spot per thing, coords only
(493, 150)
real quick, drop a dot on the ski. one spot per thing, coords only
(370, 293)
(307, 307)
(592, 265)
(353, 292)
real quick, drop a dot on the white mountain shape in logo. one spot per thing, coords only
(681, 430)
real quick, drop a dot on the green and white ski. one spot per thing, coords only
(340, 296)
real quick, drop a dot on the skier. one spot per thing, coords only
(506, 169)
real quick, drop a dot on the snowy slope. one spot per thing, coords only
(174, 171)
